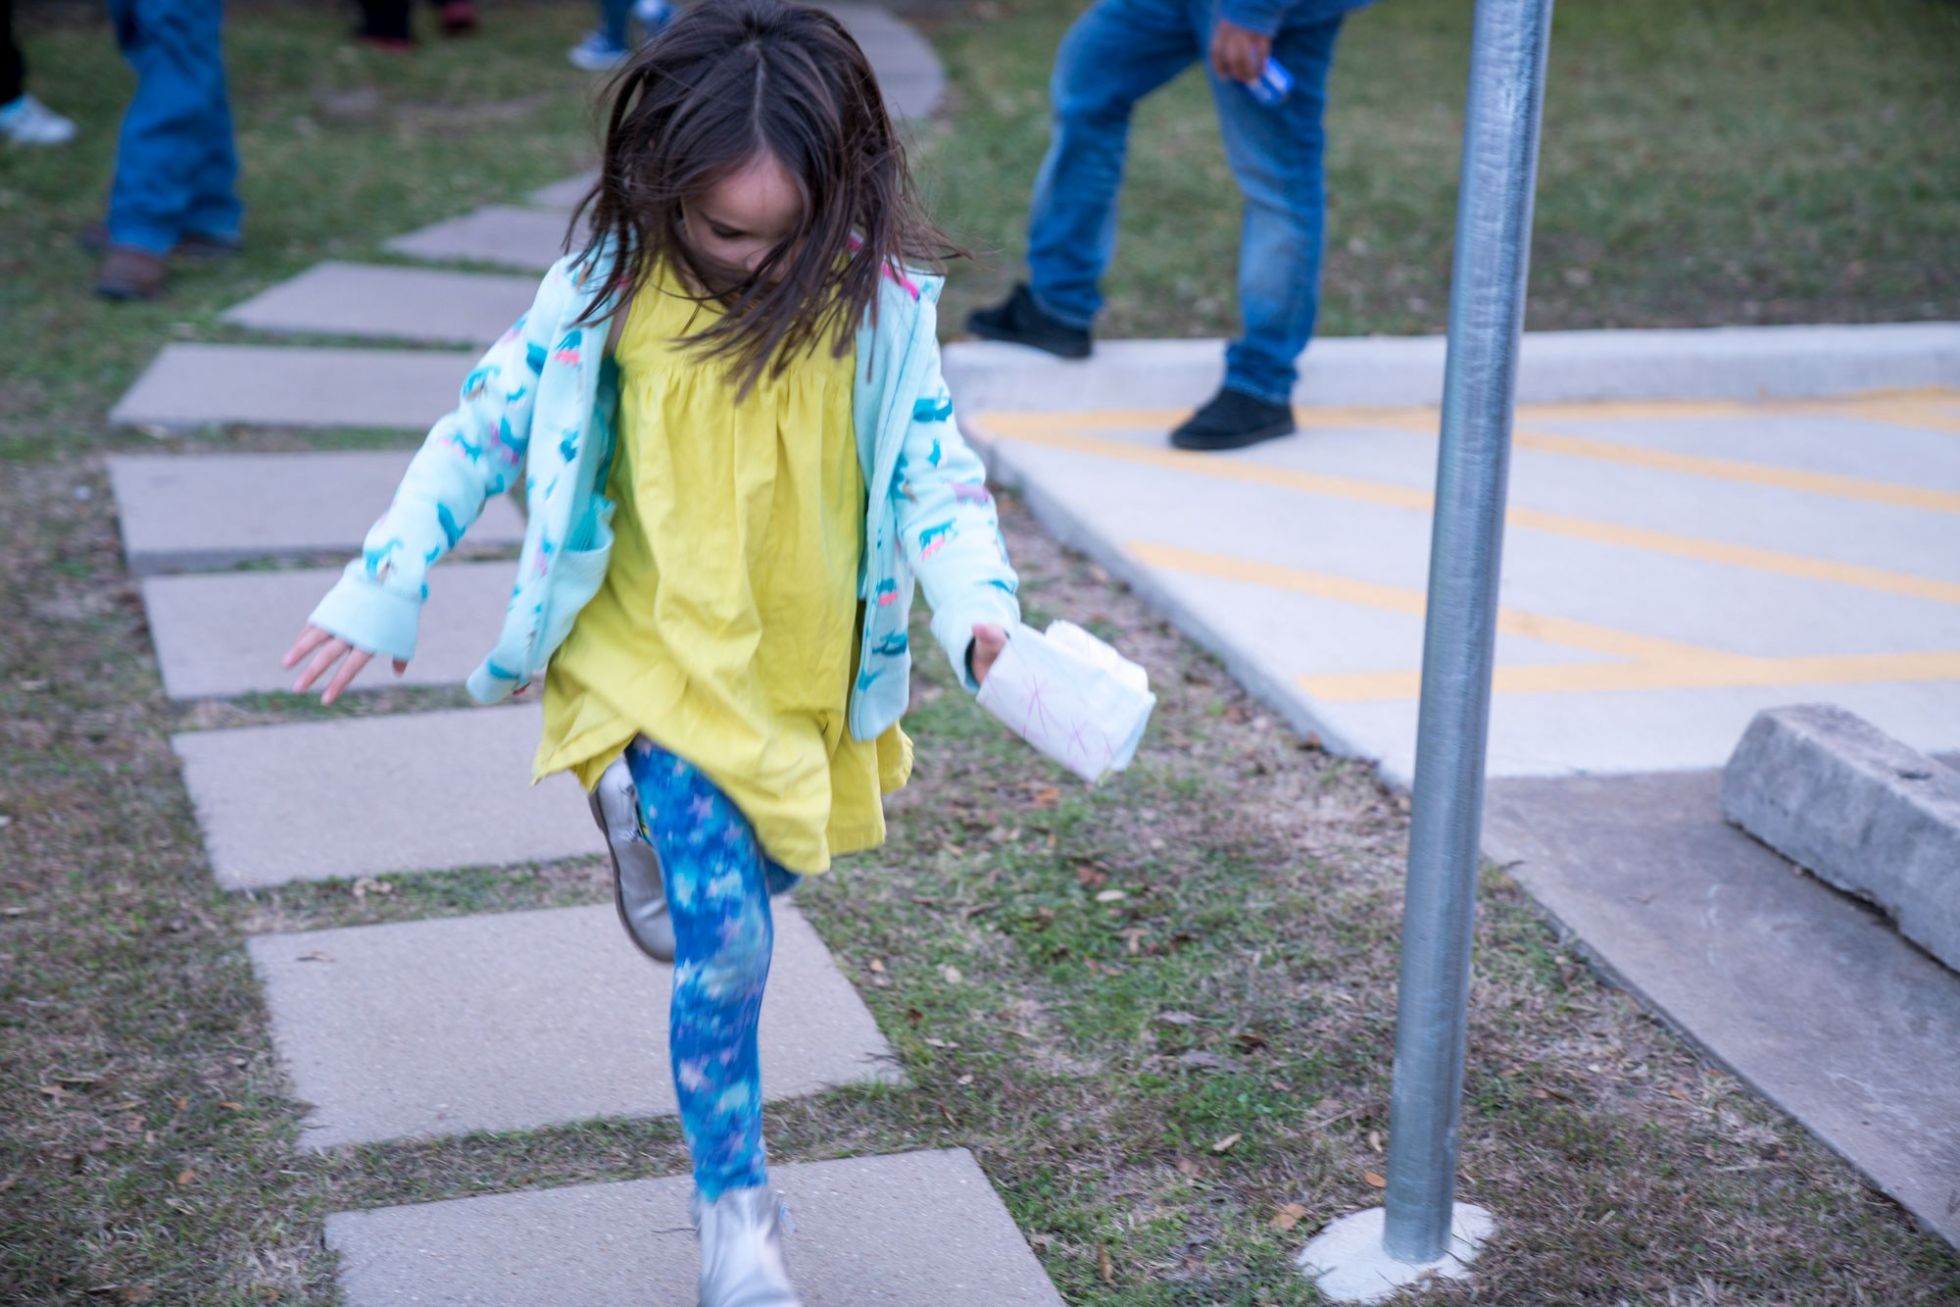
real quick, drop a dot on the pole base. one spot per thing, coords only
(1347, 1263)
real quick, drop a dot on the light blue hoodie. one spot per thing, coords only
(541, 404)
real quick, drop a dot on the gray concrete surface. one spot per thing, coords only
(1742, 363)
(564, 194)
(1653, 600)
(502, 235)
(363, 796)
(901, 1230)
(223, 634)
(516, 1020)
(1807, 995)
(426, 305)
(281, 386)
(1840, 798)
(184, 513)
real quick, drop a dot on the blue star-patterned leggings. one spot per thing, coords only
(718, 886)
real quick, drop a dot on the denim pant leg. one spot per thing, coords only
(615, 19)
(168, 143)
(1277, 155)
(215, 209)
(1114, 55)
(718, 885)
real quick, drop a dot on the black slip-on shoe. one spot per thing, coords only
(1018, 320)
(1233, 420)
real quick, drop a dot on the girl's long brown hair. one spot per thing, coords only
(728, 80)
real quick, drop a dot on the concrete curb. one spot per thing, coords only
(1554, 367)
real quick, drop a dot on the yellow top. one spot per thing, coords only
(726, 629)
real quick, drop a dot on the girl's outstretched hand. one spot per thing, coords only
(327, 649)
(988, 641)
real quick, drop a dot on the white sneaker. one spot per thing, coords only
(29, 122)
(595, 54)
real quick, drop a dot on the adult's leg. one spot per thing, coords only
(615, 23)
(1113, 56)
(13, 68)
(1276, 154)
(386, 20)
(724, 937)
(173, 46)
(215, 210)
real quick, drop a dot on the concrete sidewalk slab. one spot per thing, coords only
(1647, 613)
(281, 386)
(1742, 363)
(900, 1230)
(223, 634)
(418, 304)
(1809, 997)
(181, 513)
(504, 235)
(362, 796)
(517, 1020)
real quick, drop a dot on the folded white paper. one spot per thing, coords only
(1071, 696)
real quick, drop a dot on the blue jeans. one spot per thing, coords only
(1119, 52)
(176, 167)
(718, 885)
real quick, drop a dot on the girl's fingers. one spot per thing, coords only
(322, 660)
(308, 640)
(356, 660)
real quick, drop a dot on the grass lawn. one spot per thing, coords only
(1159, 1012)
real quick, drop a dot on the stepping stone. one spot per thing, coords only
(501, 234)
(892, 1231)
(909, 72)
(280, 386)
(363, 796)
(418, 304)
(213, 510)
(563, 195)
(515, 1020)
(223, 634)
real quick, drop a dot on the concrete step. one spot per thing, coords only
(504, 235)
(281, 386)
(362, 796)
(895, 1231)
(418, 304)
(1803, 992)
(223, 634)
(214, 510)
(517, 1020)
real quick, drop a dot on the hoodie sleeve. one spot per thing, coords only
(947, 524)
(475, 451)
(1261, 16)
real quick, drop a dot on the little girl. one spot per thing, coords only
(737, 451)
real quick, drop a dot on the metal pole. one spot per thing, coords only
(1493, 243)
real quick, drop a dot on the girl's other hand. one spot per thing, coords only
(1239, 53)
(328, 649)
(988, 641)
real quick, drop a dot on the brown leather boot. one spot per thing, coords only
(130, 274)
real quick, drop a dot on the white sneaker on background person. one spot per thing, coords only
(27, 121)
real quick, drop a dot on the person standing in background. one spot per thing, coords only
(1267, 62)
(607, 45)
(24, 120)
(176, 182)
(389, 24)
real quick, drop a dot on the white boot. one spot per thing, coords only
(742, 1262)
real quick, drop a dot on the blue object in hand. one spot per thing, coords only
(1273, 85)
